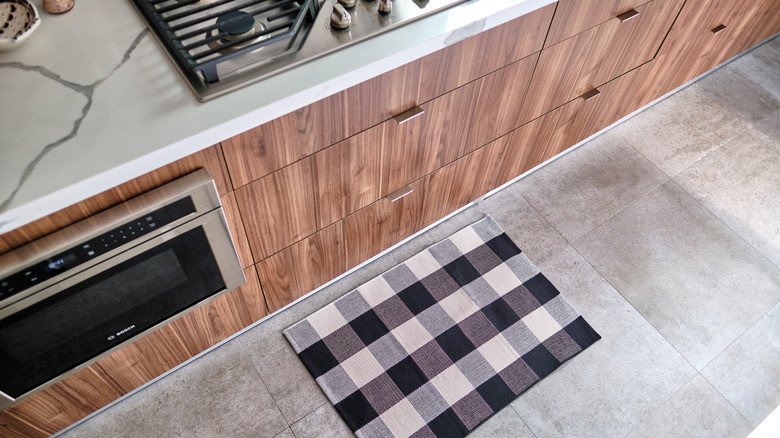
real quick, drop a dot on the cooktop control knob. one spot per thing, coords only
(340, 18)
(385, 7)
(349, 4)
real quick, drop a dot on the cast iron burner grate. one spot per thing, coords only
(200, 35)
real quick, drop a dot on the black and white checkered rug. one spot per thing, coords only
(438, 344)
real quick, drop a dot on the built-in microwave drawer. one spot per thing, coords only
(91, 288)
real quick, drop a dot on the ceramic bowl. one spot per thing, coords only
(18, 20)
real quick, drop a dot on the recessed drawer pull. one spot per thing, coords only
(629, 14)
(400, 193)
(718, 29)
(591, 94)
(408, 115)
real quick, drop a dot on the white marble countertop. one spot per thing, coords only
(91, 101)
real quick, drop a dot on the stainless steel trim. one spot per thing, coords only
(591, 94)
(629, 14)
(6, 401)
(400, 193)
(409, 115)
(720, 28)
(198, 185)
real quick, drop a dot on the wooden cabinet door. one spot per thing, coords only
(289, 138)
(575, 16)
(486, 52)
(304, 266)
(591, 58)
(562, 128)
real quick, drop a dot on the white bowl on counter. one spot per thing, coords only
(18, 20)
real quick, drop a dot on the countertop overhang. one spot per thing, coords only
(91, 100)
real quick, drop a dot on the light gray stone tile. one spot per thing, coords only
(584, 188)
(680, 130)
(218, 395)
(748, 372)
(697, 410)
(506, 423)
(761, 66)
(770, 125)
(731, 88)
(523, 224)
(740, 184)
(605, 390)
(325, 422)
(286, 434)
(697, 282)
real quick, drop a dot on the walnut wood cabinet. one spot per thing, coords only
(306, 195)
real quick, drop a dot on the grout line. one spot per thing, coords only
(662, 403)
(259, 376)
(520, 416)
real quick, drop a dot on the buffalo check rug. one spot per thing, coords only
(438, 344)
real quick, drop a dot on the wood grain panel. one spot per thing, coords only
(99, 384)
(280, 142)
(591, 58)
(237, 231)
(497, 109)
(210, 158)
(347, 175)
(427, 142)
(575, 16)
(299, 269)
(476, 56)
(279, 209)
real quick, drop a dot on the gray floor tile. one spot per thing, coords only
(506, 423)
(680, 130)
(287, 433)
(289, 382)
(605, 390)
(697, 282)
(584, 188)
(325, 422)
(747, 373)
(761, 66)
(218, 395)
(739, 183)
(521, 222)
(732, 89)
(697, 410)
(770, 125)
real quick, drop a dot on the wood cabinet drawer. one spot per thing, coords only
(591, 58)
(709, 32)
(575, 16)
(289, 138)
(558, 130)
(476, 56)
(302, 267)
(284, 207)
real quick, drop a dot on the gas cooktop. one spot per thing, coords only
(221, 45)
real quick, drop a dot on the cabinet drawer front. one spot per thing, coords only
(289, 138)
(549, 135)
(575, 16)
(304, 266)
(476, 56)
(594, 57)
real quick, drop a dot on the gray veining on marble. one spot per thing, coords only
(738, 183)
(605, 390)
(589, 185)
(697, 282)
(87, 91)
(680, 130)
(696, 411)
(747, 373)
(218, 395)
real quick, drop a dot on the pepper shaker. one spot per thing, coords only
(57, 6)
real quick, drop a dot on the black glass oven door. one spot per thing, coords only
(108, 307)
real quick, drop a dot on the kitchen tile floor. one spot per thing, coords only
(663, 232)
